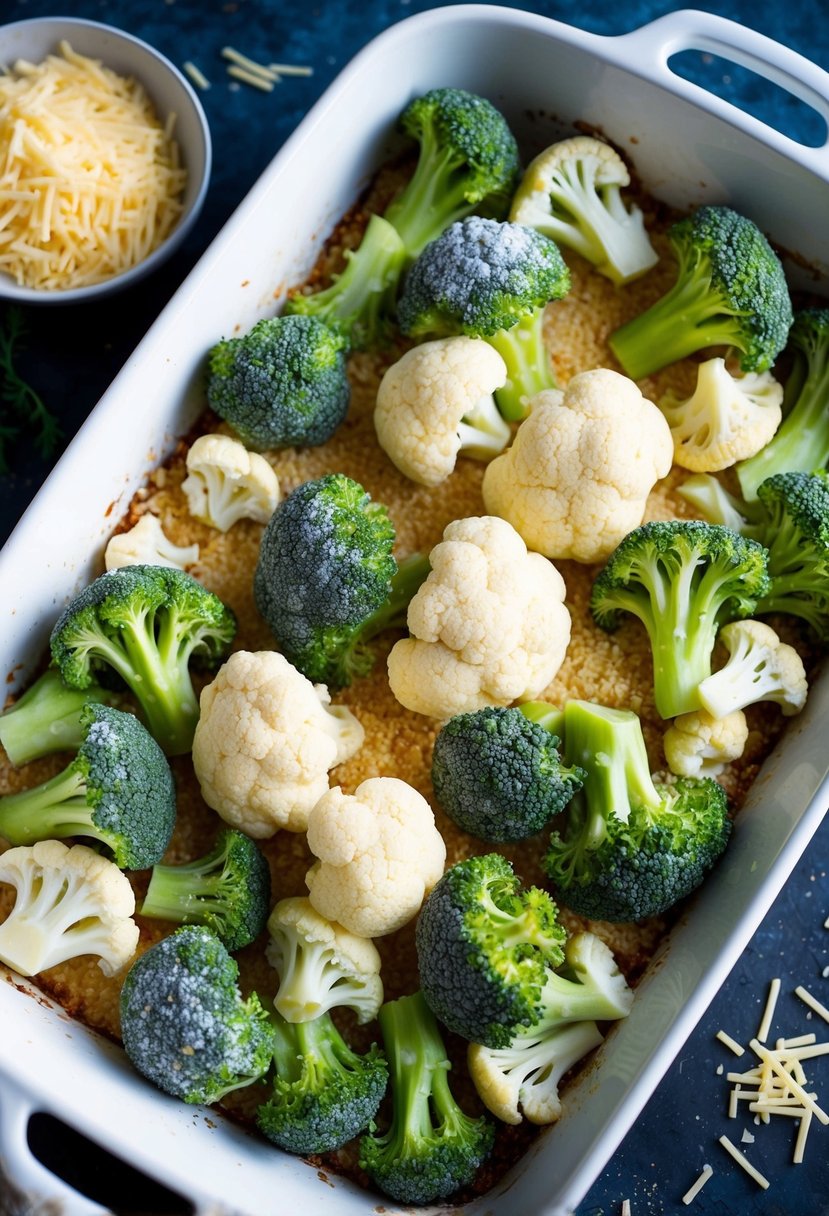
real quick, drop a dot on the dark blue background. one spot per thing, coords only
(72, 355)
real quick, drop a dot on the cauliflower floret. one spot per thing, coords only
(489, 625)
(226, 483)
(727, 418)
(699, 745)
(379, 854)
(760, 668)
(577, 477)
(436, 402)
(70, 901)
(265, 741)
(146, 544)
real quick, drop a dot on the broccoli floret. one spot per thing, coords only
(490, 280)
(468, 157)
(282, 384)
(324, 1093)
(144, 623)
(47, 718)
(185, 1024)
(683, 579)
(499, 775)
(326, 581)
(794, 525)
(431, 1148)
(730, 291)
(629, 847)
(485, 948)
(228, 891)
(118, 790)
(801, 444)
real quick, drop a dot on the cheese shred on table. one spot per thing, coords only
(90, 180)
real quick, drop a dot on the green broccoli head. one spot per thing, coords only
(185, 1024)
(795, 526)
(683, 579)
(499, 776)
(490, 280)
(228, 891)
(485, 948)
(431, 1148)
(801, 443)
(282, 384)
(324, 1093)
(468, 158)
(144, 624)
(326, 580)
(730, 291)
(629, 847)
(118, 790)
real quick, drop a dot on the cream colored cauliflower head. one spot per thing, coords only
(379, 855)
(488, 626)
(147, 544)
(577, 477)
(435, 402)
(697, 744)
(225, 483)
(265, 741)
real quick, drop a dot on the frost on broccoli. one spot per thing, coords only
(683, 579)
(118, 790)
(282, 384)
(630, 847)
(490, 280)
(431, 1147)
(572, 193)
(184, 1022)
(228, 890)
(730, 291)
(326, 581)
(144, 624)
(499, 775)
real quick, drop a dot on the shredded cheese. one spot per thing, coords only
(744, 1162)
(196, 75)
(253, 78)
(730, 1043)
(290, 69)
(771, 1005)
(813, 1003)
(90, 180)
(692, 1192)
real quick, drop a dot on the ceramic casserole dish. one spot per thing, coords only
(688, 147)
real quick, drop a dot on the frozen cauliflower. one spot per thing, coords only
(727, 418)
(147, 544)
(225, 483)
(265, 741)
(436, 402)
(577, 477)
(379, 854)
(699, 745)
(760, 668)
(488, 626)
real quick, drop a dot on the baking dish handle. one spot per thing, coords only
(42, 1192)
(651, 46)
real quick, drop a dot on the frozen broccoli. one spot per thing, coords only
(629, 847)
(326, 581)
(185, 1024)
(282, 384)
(118, 790)
(431, 1148)
(683, 579)
(144, 624)
(490, 280)
(730, 291)
(228, 890)
(499, 775)
(47, 718)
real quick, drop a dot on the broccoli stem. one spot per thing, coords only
(156, 669)
(418, 1068)
(46, 719)
(801, 443)
(432, 199)
(185, 893)
(482, 431)
(545, 715)
(690, 316)
(307, 1051)
(529, 370)
(609, 745)
(52, 810)
(410, 573)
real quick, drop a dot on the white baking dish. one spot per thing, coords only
(688, 146)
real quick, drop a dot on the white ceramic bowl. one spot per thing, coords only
(170, 93)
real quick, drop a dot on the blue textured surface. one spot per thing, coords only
(678, 1130)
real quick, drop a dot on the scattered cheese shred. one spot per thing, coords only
(813, 1003)
(196, 75)
(90, 180)
(290, 69)
(252, 78)
(771, 1005)
(250, 66)
(744, 1162)
(692, 1192)
(786, 1076)
(730, 1043)
(625, 1208)
(800, 1143)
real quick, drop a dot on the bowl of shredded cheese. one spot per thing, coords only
(104, 159)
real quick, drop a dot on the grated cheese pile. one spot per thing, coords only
(90, 181)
